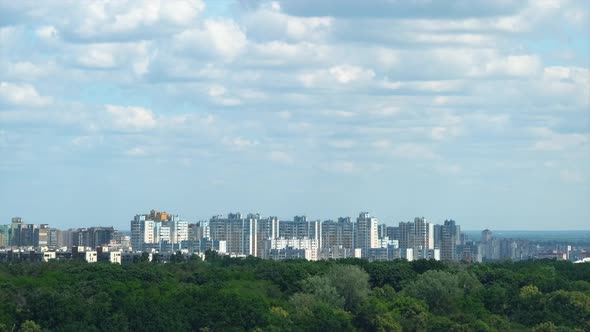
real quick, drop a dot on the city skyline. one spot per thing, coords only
(478, 113)
(124, 225)
(268, 237)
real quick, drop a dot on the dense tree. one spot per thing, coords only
(438, 289)
(351, 282)
(237, 294)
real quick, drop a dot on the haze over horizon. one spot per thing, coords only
(447, 110)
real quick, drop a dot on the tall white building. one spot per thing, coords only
(366, 233)
(149, 230)
(268, 229)
(240, 234)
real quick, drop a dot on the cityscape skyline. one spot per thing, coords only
(475, 111)
(123, 225)
(165, 236)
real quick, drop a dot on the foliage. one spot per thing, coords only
(248, 294)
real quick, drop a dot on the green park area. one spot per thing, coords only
(250, 294)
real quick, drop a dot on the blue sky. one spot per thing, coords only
(476, 111)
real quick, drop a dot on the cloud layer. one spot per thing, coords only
(479, 113)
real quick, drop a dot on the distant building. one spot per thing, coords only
(416, 235)
(310, 247)
(300, 228)
(158, 230)
(338, 235)
(267, 229)
(92, 237)
(366, 233)
(451, 235)
(239, 234)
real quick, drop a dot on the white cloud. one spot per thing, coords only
(22, 94)
(113, 20)
(346, 73)
(302, 28)
(268, 23)
(239, 143)
(224, 37)
(548, 140)
(217, 91)
(227, 37)
(219, 95)
(135, 55)
(47, 33)
(131, 118)
(340, 75)
(514, 65)
(27, 70)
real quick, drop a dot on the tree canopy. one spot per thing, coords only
(247, 294)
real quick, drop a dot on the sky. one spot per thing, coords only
(477, 111)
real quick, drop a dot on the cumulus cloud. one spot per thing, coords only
(336, 75)
(47, 33)
(21, 94)
(340, 85)
(124, 20)
(347, 73)
(224, 37)
(131, 118)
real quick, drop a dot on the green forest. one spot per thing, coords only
(250, 294)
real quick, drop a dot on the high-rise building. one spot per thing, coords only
(437, 236)
(490, 247)
(366, 234)
(158, 230)
(92, 237)
(43, 239)
(300, 228)
(417, 235)
(138, 231)
(338, 234)
(65, 238)
(21, 234)
(393, 232)
(52, 238)
(381, 231)
(449, 241)
(240, 234)
(198, 230)
(4, 235)
(423, 234)
(268, 229)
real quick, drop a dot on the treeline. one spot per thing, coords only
(229, 294)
